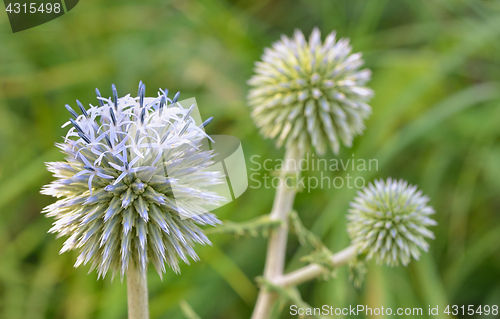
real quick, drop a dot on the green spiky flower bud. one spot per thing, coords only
(388, 221)
(309, 93)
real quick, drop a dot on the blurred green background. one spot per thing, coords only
(435, 123)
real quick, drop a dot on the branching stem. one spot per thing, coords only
(276, 249)
(313, 270)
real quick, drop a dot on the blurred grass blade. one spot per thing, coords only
(444, 110)
(232, 274)
(187, 310)
(475, 254)
(30, 175)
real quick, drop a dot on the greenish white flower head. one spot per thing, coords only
(388, 221)
(310, 93)
(125, 157)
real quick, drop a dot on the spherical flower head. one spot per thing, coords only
(309, 93)
(388, 221)
(126, 157)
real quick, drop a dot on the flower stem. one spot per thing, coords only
(313, 270)
(276, 249)
(137, 293)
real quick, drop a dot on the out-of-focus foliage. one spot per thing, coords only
(435, 123)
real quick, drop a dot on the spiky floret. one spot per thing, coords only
(309, 93)
(388, 221)
(126, 157)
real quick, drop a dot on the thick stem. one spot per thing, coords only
(313, 270)
(276, 249)
(137, 293)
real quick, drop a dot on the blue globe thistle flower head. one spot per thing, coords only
(388, 221)
(115, 189)
(310, 93)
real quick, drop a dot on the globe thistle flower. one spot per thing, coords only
(125, 159)
(388, 219)
(309, 93)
